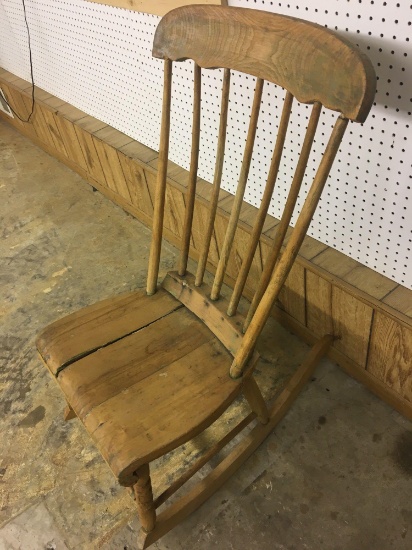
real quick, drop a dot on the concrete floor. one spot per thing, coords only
(335, 474)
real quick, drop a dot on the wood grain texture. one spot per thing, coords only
(390, 356)
(95, 326)
(318, 304)
(110, 370)
(352, 324)
(265, 45)
(137, 184)
(112, 168)
(140, 424)
(400, 299)
(228, 330)
(180, 509)
(160, 7)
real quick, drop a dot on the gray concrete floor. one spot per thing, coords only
(335, 474)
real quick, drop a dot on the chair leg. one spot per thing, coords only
(255, 399)
(144, 499)
(69, 413)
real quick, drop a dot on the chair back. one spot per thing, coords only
(314, 66)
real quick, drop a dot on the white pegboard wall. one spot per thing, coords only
(98, 58)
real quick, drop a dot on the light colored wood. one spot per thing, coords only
(194, 160)
(348, 313)
(282, 269)
(217, 178)
(114, 138)
(182, 508)
(196, 299)
(49, 121)
(144, 498)
(376, 386)
(162, 411)
(95, 326)
(70, 140)
(264, 205)
(292, 297)
(138, 152)
(283, 226)
(153, 269)
(373, 283)
(69, 413)
(88, 148)
(160, 7)
(390, 356)
(111, 370)
(394, 306)
(112, 169)
(335, 262)
(240, 191)
(264, 45)
(318, 304)
(218, 446)
(255, 399)
(400, 299)
(137, 184)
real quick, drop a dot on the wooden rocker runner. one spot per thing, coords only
(112, 359)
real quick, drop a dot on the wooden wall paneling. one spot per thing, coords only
(16, 100)
(390, 356)
(375, 385)
(139, 152)
(292, 296)
(200, 219)
(174, 210)
(369, 281)
(50, 122)
(174, 172)
(352, 324)
(318, 304)
(112, 169)
(335, 262)
(113, 137)
(71, 113)
(90, 154)
(401, 300)
(137, 184)
(70, 140)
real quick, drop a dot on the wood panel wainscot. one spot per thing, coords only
(325, 291)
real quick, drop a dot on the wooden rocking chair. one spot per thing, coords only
(147, 371)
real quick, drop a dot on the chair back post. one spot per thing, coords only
(287, 212)
(158, 215)
(194, 161)
(240, 191)
(217, 178)
(264, 205)
(285, 263)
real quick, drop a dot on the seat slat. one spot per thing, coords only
(92, 380)
(95, 326)
(140, 424)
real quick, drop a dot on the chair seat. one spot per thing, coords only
(138, 395)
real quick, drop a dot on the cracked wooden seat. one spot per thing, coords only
(147, 371)
(117, 390)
